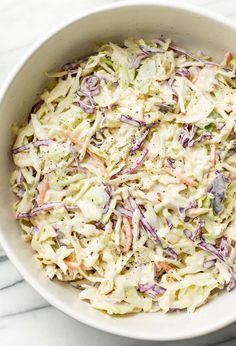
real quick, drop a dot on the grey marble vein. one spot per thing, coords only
(3, 258)
(11, 285)
(25, 311)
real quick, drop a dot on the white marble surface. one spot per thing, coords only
(26, 318)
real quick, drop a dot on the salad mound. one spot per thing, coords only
(125, 177)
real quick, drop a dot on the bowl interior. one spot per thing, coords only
(193, 29)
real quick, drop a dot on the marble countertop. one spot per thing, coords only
(25, 317)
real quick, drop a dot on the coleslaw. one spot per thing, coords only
(125, 177)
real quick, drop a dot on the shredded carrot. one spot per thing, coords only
(232, 176)
(193, 212)
(70, 261)
(182, 178)
(227, 58)
(73, 139)
(195, 78)
(99, 162)
(43, 188)
(164, 265)
(71, 265)
(127, 229)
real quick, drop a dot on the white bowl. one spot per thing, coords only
(189, 26)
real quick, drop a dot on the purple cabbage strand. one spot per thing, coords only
(137, 163)
(108, 197)
(151, 289)
(37, 210)
(137, 143)
(36, 144)
(144, 223)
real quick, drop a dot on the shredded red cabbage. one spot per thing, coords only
(89, 88)
(146, 226)
(183, 72)
(187, 133)
(59, 235)
(108, 197)
(151, 50)
(169, 224)
(210, 248)
(202, 137)
(36, 210)
(90, 85)
(134, 205)
(36, 144)
(170, 84)
(151, 289)
(137, 163)
(136, 60)
(182, 211)
(86, 104)
(209, 264)
(23, 215)
(137, 143)
(188, 234)
(197, 233)
(224, 247)
(184, 52)
(131, 121)
(45, 207)
(169, 252)
(231, 284)
(138, 123)
(145, 53)
(150, 230)
(124, 211)
(171, 162)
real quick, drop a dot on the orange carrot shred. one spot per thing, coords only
(99, 162)
(43, 188)
(164, 265)
(232, 176)
(228, 57)
(71, 265)
(127, 229)
(183, 179)
(195, 78)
